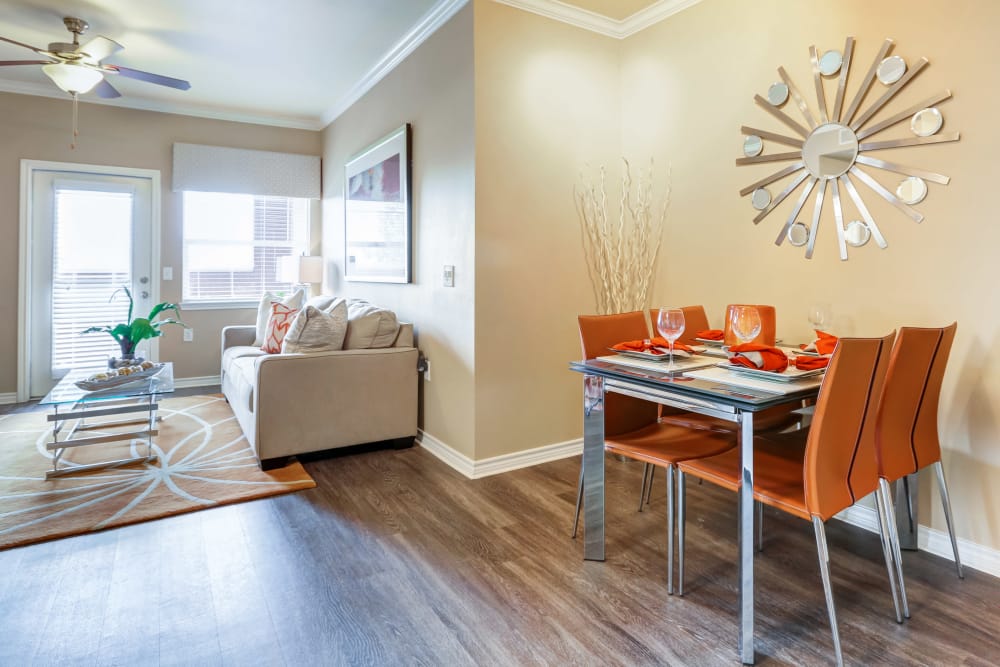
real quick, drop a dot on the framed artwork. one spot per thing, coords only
(378, 212)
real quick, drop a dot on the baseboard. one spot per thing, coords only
(932, 540)
(204, 381)
(9, 398)
(498, 464)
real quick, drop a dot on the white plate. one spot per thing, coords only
(118, 380)
(665, 356)
(748, 381)
(680, 365)
(710, 342)
(790, 374)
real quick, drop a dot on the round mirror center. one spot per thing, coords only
(830, 150)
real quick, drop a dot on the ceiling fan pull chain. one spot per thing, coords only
(76, 133)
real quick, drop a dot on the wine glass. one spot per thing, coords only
(745, 321)
(819, 314)
(670, 324)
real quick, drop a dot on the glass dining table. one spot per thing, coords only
(704, 395)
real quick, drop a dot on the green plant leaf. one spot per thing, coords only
(131, 303)
(161, 307)
(121, 331)
(104, 329)
(141, 330)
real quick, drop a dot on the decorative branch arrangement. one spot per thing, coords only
(621, 255)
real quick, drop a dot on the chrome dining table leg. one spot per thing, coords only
(746, 540)
(593, 467)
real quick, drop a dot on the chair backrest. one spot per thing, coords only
(906, 434)
(768, 325)
(839, 466)
(599, 332)
(695, 320)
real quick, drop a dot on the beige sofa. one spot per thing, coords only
(291, 404)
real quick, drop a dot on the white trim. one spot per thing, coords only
(932, 540)
(8, 399)
(438, 15)
(498, 464)
(203, 381)
(47, 90)
(594, 22)
(28, 167)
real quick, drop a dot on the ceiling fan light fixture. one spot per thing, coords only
(73, 78)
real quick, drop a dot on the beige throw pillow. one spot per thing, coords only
(293, 300)
(315, 330)
(369, 326)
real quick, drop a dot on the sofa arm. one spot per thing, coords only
(244, 334)
(310, 402)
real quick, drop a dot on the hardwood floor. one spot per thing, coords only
(397, 559)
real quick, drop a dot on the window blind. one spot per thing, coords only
(200, 168)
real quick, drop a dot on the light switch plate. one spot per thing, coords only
(168, 273)
(188, 335)
(449, 275)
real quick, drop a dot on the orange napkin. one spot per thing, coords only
(711, 334)
(652, 346)
(804, 363)
(755, 355)
(824, 344)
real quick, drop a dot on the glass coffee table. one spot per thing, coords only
(77, 414)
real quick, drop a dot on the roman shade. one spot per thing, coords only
(240, 171)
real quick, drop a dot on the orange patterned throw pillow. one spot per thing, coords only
(277, 326)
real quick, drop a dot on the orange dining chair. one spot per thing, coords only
(833, 468)
(906, 427)
(768, 325)
(631, 426)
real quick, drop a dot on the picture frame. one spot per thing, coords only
(378, 211)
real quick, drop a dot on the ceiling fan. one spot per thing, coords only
(77, 68)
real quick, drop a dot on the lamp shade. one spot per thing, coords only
(73, 78)
(300, 269)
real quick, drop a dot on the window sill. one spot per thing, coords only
(218, 305)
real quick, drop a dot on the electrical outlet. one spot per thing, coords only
(427, 369)
(449, 275)
(188, 335)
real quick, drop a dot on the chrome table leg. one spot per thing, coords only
(746, 539)
(593, 467)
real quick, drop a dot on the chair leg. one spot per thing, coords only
(890, 521)
(946, 503)
(759, 524)
(649, 487)
(670, 529)
(579, 501)
(890, 562)
(642, 491)
(824, 570)
(681, 521)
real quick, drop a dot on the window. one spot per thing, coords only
(232, 244)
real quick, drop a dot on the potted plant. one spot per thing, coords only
(130, 333)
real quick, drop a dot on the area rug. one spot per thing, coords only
(203, 460)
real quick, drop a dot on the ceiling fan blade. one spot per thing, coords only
(4, 63)
(106, 90)
(100, 48)
(158, 79)
(27, 46)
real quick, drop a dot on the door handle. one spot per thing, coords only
(144, 280)
(144, 294)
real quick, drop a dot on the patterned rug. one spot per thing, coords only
(203, 461)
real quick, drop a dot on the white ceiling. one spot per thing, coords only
(294, 63)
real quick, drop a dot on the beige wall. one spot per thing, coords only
(38, 128)
(688, 86)
(432, 90)
(547, 104)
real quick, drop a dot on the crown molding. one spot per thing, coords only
(438, 15)
(46, 90)
(594, 22)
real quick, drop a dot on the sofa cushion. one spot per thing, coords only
(242, 369)
(238, 351)
(369, 326)
(293, 300)
(322, 302)
(277, 327)
(315, 330)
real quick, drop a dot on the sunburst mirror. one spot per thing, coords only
(833, 144)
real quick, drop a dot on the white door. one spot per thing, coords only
(91, 234)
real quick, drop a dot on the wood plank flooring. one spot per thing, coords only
(395, 559)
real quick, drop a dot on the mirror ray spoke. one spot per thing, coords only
(866, 83)
(911, 73)
(909, 141)
(911, 213)
(845, 68)
(865, 214)
(783, 234)
(903, 169)
(781, 196)
(838, 217)
(780, 115)
(904, 115)
(818, 80)
(817, 210)
(773, 157)
(772, 136)
(800, 101)
(790, 169)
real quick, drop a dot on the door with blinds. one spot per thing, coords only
(91, 235)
